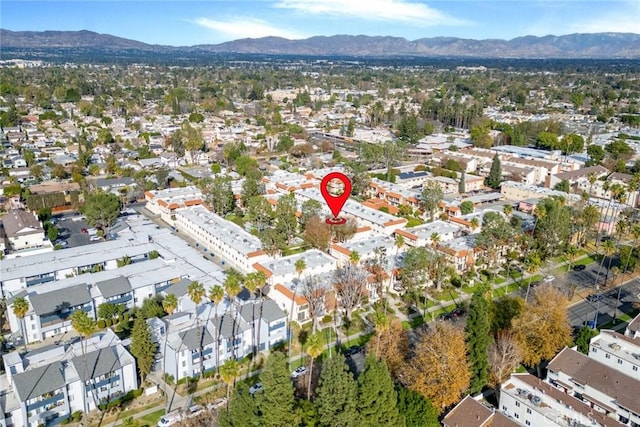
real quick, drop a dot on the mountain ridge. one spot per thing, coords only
(577, 45)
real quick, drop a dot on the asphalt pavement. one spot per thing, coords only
(602, 309)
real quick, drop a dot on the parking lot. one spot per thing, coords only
(70, 230)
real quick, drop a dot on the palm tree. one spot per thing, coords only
(475, 223)
(592, 180)
(354, 257)
(435, 239)
(216, 295)
(572, 254)
(196, 293)
(300, 266)
(232, 286)
(229, 371)
(314, 350)
(84, 326)
(252, 282)
(170, 303)
(399, 242)
(381, 322)
(20, 309)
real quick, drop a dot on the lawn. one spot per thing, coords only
(152, 418)
(505, 290)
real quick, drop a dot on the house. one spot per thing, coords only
(471, 413)
(166, 202)
(24, 231)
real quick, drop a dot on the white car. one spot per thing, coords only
(218, 403)
(95, 238)
(170, 419)
(548, 279)
(255, 388)
(298, 372)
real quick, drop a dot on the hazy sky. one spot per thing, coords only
(183, 23)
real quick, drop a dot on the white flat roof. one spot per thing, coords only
(231, 234)
(286, 265)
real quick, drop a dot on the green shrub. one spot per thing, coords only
(327, 318)
(101, 324)
(109, 322)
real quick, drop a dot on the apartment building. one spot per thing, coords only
(45, 386)
(603, 388)
(529, 401)
(235, 246)
(223, 332)
(165, 202)
(423, 235)
(471, 413)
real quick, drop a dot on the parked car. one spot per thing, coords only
(95, 238)
(595, 297)
(255, 388)
(352, 350)
(216, 404)
(579, 267)
(84, 231)
(458, 311)
(548, 279)
(298, 372)
(170, 419)
(194, 411)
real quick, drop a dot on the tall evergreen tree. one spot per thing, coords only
(277, 402)
(243, 410)
(337, 394)
(377, 396)
(143, 348)
(416, 409)
(462, 187)
(495, 173)
(478, 340)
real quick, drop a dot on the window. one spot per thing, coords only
(528, 410)
(619, 361)
(518, 404)
(527, 422)
(504, 408)
(516, 415)
(608, 356)
(635, 368)
(594, 350)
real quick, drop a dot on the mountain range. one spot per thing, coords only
(598, 45)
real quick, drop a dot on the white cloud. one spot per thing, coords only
(238, 28)
(619, 17)
(378, 10)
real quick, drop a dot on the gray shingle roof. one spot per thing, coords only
(113, 287)
(230, 326)
(20, 223)
(60, 299)
(270, 311)
(99, 362)
(190, 337)
(179, 288)
(37, 381)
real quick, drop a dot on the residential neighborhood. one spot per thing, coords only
(165, 240)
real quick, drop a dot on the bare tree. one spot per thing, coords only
(504, 357)
(350, 284)
(314, 292)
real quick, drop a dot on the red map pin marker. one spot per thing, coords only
(335, 203)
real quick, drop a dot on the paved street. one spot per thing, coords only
(603, 309)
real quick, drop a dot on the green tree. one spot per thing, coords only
(102, 209)
(143, 348)
(245, 164)
(314, 350)
(20, 310)
(432, 195)
(220, 195)
(84, 326)
(196, 293)
(377, 400)
(478, 340)
(286, 220)
(563, 185)
(170, 303)
(229, 371)
(495, 173)
(310, 208)
(466, 207)
(242, 410)
(416, 409)
(259, 212)
(216, 295)
(503, 311)
(277, 402)
(596, 153)
(584, 338)
(547, 141)
(337, 394)
(109, 310)
(52, 233)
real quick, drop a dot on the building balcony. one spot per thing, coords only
(53, 401)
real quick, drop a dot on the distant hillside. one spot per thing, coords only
(600, 45)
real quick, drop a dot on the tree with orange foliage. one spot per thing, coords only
(543, 328)
(439, 368)
(393, 347)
